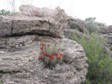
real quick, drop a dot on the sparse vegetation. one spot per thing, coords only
(4, 12)
(50, 53)
(100, 63)
(91, 25)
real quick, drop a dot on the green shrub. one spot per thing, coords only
(91, 25)
(50, 53)
(4, 12)
(100, 64)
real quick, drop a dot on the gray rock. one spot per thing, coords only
(20, 23)
(25, 24)
(70, 32)
(108, 45)
(20, 36)
(19, 62)
(1, 17)
(106, 30)
(5, 26)
(77, 24)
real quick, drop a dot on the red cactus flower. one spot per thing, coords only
(50, 59)
(44, 53)
(59, 56)
(52, 56)
(48, 55)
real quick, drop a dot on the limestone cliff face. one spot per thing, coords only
(19, 50)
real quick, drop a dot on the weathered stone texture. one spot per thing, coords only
(20, 36)
(5, 26)
(19, 63)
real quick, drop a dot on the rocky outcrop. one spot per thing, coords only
(35, 11)
(19, 62)
(11, 25)
(5, 26)
(79, 27)
(26, 22)
(77, 24)
(106, 30)
(20, 36)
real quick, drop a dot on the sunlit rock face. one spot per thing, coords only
(20, 37)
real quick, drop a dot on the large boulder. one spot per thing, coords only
(20, 36)
(52, 23)
(10, 25)
(19, 62)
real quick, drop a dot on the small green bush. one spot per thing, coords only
(91, 25)
(50, 53)
(100, 64)
(4, 12)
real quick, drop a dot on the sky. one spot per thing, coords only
(101, 9)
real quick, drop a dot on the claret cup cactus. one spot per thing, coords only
(50, 53)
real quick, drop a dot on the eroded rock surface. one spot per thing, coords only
(11, 25)
(19, 62)
(20, 36)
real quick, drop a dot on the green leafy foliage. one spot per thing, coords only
(50, 53)
(100, 64)
(4, 12)
(91, 25)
